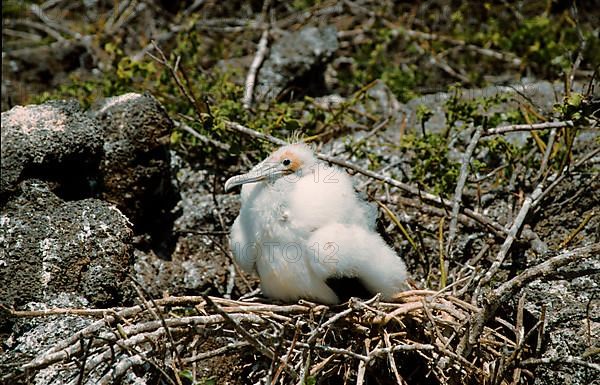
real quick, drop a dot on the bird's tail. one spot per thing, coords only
(339, 250)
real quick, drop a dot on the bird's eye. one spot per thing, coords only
(286, 162)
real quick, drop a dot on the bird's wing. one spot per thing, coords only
(325, 197)
(340, 250)
(244, 250)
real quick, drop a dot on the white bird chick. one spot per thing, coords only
(303, 228)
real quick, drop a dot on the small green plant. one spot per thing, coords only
(375, 60)
(430, 164)
(423, 115)
(543, 42)
(479, 111)
(572, 107)
(498, 152)
(402, 82)
(301, 5)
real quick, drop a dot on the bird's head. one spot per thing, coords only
(297, 158)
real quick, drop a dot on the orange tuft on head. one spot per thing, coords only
(295, 164)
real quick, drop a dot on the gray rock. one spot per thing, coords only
(541, 94)
(57, 241)
(135, 170)
(572, 321)
(197, 262)
(54, 141)
(294, 56)
(32, 336)
(49, 246)
(382, 102)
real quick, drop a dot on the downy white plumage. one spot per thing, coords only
(301, 224)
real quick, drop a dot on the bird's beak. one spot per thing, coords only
(263, 171)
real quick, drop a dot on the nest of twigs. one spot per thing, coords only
(421, 337)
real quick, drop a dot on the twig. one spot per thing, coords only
(557, 180)
(39, 12)
(443, 64)
(157, 315)
(255, 134)
(544, 269)
(582, 47)
(515, 61)
(574, 233)
(86, 354)
(334, 350)
(215, 352)
(142, 336)
(127, 11)
(519, 343)
(366, 137)
(267, 352)
(42, 27)
(570, 360)
(315, 333)
(443, 273)
(182, 88)
(259, 57)
(526, 127)
(403, 230)
(512, 235)
(393, 366)
(547, 153)
(494, 227)
(72, 348)
(57, 311)
(362, 365)
(287, 357)
(126, 344)
(121, 368)
(397, 348)
(202, 138)
(460, 185)
(230, 281)
(541, 331)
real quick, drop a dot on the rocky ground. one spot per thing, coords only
(482, 159)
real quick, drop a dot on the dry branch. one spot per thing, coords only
(526, 127)
(259, 57)
(512, 235)
(568, 360)
(509, 57)
(460, 185)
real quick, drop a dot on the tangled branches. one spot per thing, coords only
(427, 331)
(296, 342)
